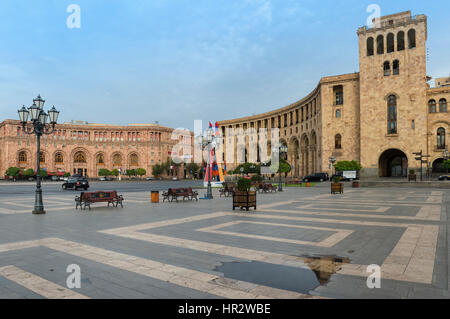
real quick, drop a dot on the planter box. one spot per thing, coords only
(412, 177)
(355, 184)
(244, 199)
(337, 188)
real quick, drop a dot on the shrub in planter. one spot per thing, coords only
(244, 184)
(244, 197)
(337, 186)
(412, 175)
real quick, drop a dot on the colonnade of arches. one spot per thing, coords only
(79, 161)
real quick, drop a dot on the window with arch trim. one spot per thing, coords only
(23, 157)
(59, 158)
(100, 159)
(441, 138)
(338, 142)
(387, 68)
(443, 105)
(79, 158)
(396, 67)
(380, 44)
(117, 160)
(338, 114)
(401, 41)
(390, 43)
(370, 51)
(134, 160)
(432, 106)
(392, 114)
(411, 39)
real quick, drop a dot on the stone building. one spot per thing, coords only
(80, 148)
(379, 116)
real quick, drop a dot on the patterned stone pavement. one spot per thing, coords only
(302, 243)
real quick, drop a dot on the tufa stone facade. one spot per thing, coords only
(379, 116)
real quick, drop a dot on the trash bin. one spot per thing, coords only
(155, 196)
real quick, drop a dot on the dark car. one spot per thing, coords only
(76, 183)
(316, 177)
(444, 177)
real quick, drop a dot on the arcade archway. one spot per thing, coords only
(393, 163)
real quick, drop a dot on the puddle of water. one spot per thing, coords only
(325, 266)
(302, 280)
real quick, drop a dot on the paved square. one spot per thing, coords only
(302, 243)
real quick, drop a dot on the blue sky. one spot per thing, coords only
(175, 61)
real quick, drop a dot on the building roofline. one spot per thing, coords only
(324, 80)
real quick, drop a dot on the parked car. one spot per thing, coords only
(316, 177)
(444, 177)
(174, 178)
(76, 183)
(55, 178)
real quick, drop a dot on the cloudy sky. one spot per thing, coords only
(175, 61)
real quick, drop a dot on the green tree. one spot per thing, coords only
(104, 172)
(248, 168)
(284, 166)
(67, 174)
(347, 166)
(28, 173)
(141, 172)
(12, 172)
(446, 164)
(130, 172)
(157, 170)
(193, 168)
(115, 172)
(43, 173)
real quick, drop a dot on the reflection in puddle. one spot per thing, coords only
(317, 271)
(325, 266)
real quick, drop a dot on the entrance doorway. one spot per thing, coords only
(393, 163)
(438, 166)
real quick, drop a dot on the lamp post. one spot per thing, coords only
(38, 125)
(210, 140)
(332, 160)
(282, 149)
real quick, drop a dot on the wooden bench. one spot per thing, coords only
(87, 198)
(266, 188)
(228, 189)
(174, 193)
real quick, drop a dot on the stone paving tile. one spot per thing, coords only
(376, 229)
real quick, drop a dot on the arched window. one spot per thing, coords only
(432, 106)
(442, 105)
(392, 114)
(41, 157)
(396, 67)
(117, 160)
(387, 68)
(338, 142)
(370, 46)
(401, 41)
(380, 44)
(338, 114)
(59, 158)
(411, 39)
(79, 158)
(100, 159)
(23, 157)
(134, 160)
(390, 43)
(441, 138)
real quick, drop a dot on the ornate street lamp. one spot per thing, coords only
(208, 142)
(283, 149)
(38, 125)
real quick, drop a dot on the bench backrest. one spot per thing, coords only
(98, 195)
